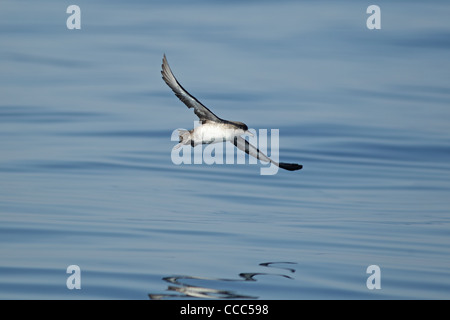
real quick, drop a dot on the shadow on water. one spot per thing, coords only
(184, 288)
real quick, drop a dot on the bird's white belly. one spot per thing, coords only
(213, 133)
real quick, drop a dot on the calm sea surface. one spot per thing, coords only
(86, 176)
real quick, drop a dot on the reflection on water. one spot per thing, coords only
(184, 289)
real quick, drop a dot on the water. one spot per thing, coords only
(86, 176)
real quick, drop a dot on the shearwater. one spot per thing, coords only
(214, 129)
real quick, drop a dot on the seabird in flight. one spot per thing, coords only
(214, 129)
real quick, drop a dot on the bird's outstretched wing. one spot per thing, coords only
(248, 148)
(190, 101)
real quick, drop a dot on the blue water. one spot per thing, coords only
(86, 176)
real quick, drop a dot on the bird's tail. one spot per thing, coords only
(184, 138)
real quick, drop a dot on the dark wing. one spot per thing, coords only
(190, 101)
(245, 146)
(248, 148)
(290, 166)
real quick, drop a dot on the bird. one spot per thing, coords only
(214, 129)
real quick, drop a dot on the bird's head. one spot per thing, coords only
(242, 126)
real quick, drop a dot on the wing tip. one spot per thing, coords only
(164, 64)
(167, 74)
(290, 166)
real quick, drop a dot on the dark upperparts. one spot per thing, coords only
(238, 124)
